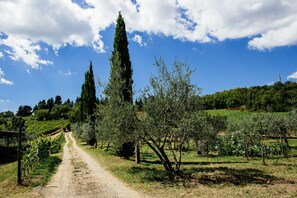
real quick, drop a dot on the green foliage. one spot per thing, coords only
(85, 131)
(38, 128)
(5, 117)
(248, 135)
(234, 146)
(121, 58)
(204, 130)
(278, 97)
(60, 112)
(77, 130)
(84, 113)
(15, 124)
(42, 114)
(24, 111)
(6, 114)
(292, 121)
(57, 143)
(88, 96)
(119, 112)
(168, 121)
(116, 123)
(30, 159)
(52, 109)
(39, 150)
(58, 100)
(126, 150)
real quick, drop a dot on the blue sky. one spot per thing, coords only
(45, 47)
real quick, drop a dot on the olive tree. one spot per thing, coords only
(170, 104)
(204, 130)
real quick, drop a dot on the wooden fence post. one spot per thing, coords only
(20, 157)
(137, 153)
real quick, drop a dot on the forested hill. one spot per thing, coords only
(277, 97)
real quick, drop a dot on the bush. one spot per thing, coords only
(230, 145)
(38, 150)
(233, 146)
(56, 143)
(42, 114)
(126, 150)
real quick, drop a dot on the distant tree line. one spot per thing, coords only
(279, 97)
(52, 109)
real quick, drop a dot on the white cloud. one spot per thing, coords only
(273, 20)
(3, 101)
(68, 73)
(267, 23)
(1, 55)
(3, 80)
(25, 50)
(138, 39)
(292, 76)
(56, 23)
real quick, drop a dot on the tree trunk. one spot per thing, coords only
(163, 157)
(20, 158)
(201, 147)
(282, 146)
(108, 145)
(263, 154)
(167, 161)
(246, 151)
(102, 143)
(137, 153)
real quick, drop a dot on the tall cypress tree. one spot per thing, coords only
(88, 95)
(88, 103)
(121, 55)
(119, 89)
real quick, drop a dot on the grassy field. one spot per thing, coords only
(204, 176)
(236, 114)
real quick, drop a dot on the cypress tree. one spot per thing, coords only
(88, 95)
(88, 103)
(121, 55)
(119, 89)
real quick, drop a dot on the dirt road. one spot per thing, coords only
(81, 176)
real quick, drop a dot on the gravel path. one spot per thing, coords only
(79, 175)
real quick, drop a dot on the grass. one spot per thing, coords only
(39, 177)
(236, 114)
(204, 176)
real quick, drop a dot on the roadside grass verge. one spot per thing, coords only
(204, 176)
(39, 177)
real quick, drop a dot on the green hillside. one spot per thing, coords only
(279, 97)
